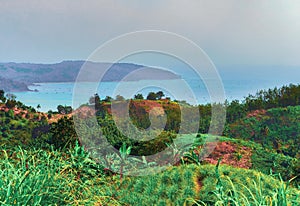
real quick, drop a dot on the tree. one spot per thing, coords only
(10, 114)
(160, 94)
(235, 111)
(63, 133)
(49, 115)
(138, 96)
(10, 103)
(68, 109)
(64, 109)
(95, 99)
(61, 109)
(108, 99)
(2, 97)
(152, 96)
(119, 98)
(38, 106)
(11, 96)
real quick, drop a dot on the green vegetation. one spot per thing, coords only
(64, 109)
(263, 127)
(39, 177)
(256, 162)
(260, 159)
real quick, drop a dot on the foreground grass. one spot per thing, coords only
(39, 177)
(204, 185)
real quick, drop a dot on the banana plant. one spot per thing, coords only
(124, 153)
(192, 157)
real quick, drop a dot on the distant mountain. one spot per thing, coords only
(67, 71)
(9, 85)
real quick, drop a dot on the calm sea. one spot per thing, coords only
(50, 95)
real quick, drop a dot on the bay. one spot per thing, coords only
(50, 95)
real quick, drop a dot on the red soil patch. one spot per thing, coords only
(231, 154)
(141, 107)
(23, 113)
(257, 113)
(147, 105)
(84, 112)
(56, 117)
(18, 111)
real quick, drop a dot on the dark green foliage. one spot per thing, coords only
(107, 99)
(205, 118)
(173, 119)
(40, 130)
(11, 103)
(49, 115)
(64, 109)
(16, 130)
(62, 133)
(160, 94)
(155, 145)
(2, 96)
(152, 96)
(235, 110)
(271, 98)
(138, 96)
(11, 96)
(116, 138)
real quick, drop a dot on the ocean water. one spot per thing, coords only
(193, 90)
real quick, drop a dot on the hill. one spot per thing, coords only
(12, 86)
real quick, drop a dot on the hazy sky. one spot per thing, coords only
(231, 31)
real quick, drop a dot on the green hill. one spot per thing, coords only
(42, 162)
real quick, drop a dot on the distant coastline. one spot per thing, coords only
(17, 77)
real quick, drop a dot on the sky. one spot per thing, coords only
(231, 32)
